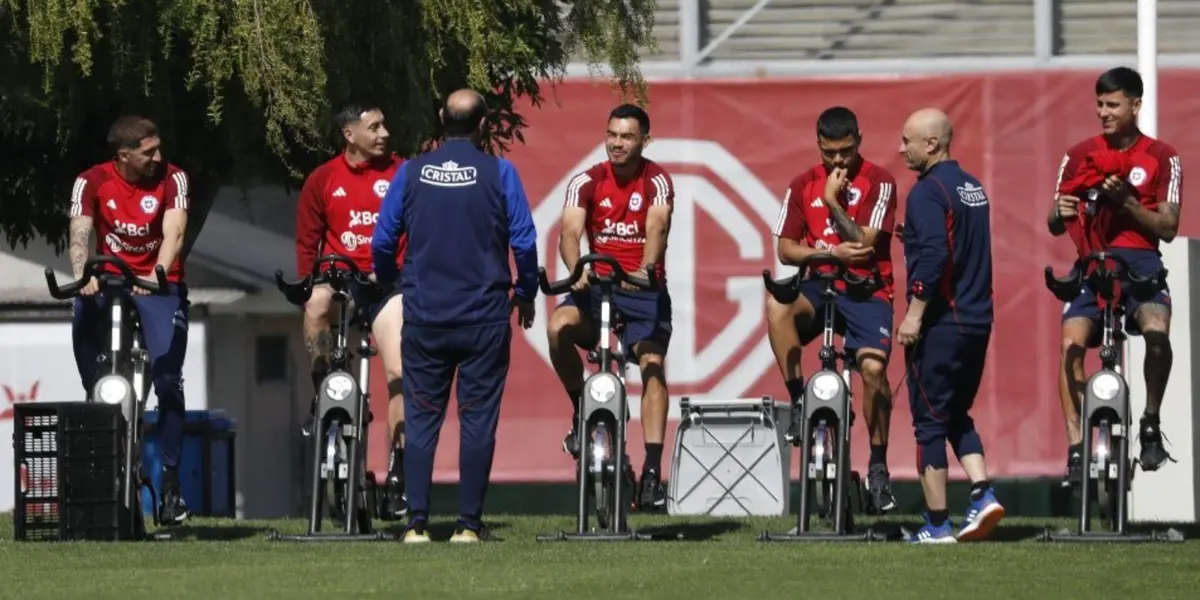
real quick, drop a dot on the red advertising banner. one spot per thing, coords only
(732, 147)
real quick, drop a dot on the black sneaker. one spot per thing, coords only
(571, 443)
(1151, 437)
(395, 502)
(652, 495)
(879, 485)
(172, 510)
(1074, 466)
(307, 428)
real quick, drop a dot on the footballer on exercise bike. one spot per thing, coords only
(624, 206)
(1119, 191)
(844, 206)
(337, 210)
(137, 206)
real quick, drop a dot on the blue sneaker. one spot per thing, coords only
(982, 517)
(931, 534)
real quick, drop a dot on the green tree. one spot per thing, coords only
(242, 89)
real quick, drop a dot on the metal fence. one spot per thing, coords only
(716, 38)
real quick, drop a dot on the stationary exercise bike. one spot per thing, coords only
(1105, 413)
(603, 413)
(124, 382)
(821, 423)
(342, 409)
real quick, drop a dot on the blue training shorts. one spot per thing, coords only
(1143, 263)
(646, 316)
(862, 324)
(371, 310)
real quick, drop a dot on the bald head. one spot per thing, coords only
(932, 123)
(926, 138)
(463, 112)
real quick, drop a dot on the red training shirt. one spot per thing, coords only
(616, 222)
(1156, 177)
(128, 216)
(869, 199)
(338, 207)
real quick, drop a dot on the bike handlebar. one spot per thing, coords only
(339, 269)
(787, 290)
(94, 268)
(618, 276)
(1068, 287)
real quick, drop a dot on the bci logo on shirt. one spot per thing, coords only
(363, 217)
(448, 174)
(131, 229)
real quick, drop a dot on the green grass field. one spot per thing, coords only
(719, 559)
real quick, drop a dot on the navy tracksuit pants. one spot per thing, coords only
(164, 322)
(432, 357)
(944, 370)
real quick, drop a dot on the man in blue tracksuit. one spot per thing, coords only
(462, 210)
(948, 252)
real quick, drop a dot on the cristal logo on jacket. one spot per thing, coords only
(448, 174)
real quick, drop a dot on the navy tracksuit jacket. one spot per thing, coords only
(948, 252)
(462, 210)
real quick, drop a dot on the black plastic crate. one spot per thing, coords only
(68, 458)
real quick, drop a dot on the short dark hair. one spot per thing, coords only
(1120, 79)
(129, 131)
(837, 123)
(352, 112)
(635, 112)
(459, 120)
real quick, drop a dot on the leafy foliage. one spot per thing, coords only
(242, 90)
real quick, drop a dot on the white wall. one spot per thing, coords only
(37, 365)
(270, 477)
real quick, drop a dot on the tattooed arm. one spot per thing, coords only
(80, 239)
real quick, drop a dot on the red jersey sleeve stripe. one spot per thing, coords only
(1174, 179)
(882, 200)
(783, 211)
(181, 190)
(77, 197)
(661, 189)
(574, 187)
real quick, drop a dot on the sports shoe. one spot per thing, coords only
(469, 535)
(1074, 466)
(172, 510)
(934, 534)
(982, 517)
(879, 484)
(571, 443)
(1150, 436)
(416, 533)
(395, 502)
(652, 495)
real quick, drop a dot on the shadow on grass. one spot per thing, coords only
(220, 533)
(693, 532)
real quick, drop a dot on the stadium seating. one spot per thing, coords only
(864, 29)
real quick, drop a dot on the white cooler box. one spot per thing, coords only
(731, 458)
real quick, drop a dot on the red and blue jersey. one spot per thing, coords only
(948, 248)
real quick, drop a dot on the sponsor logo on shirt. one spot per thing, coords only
(363, 217)
(972, 195)
(448, 174)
